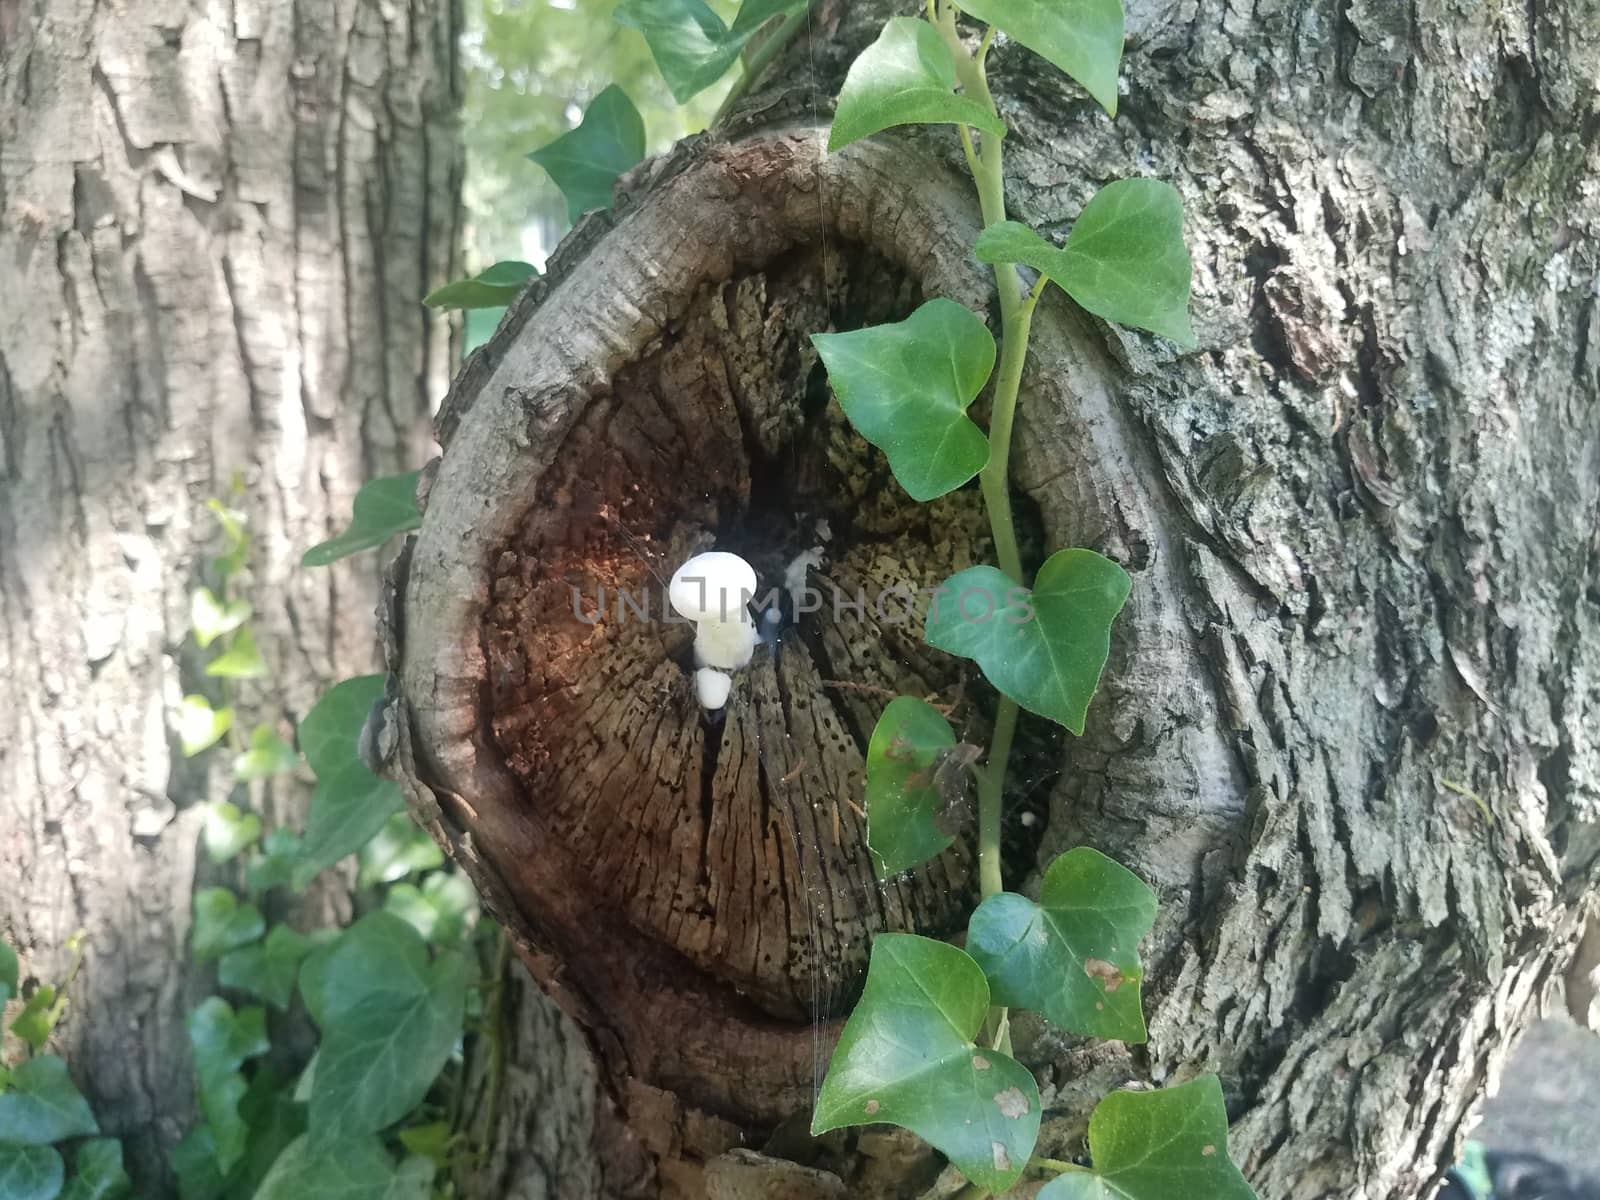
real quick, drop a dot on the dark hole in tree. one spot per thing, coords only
(736, 837)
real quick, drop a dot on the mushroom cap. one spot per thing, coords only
(712, 687)
(715, 585)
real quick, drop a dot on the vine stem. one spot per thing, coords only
(1057, 1165)
(761, 60)
(1016, 323)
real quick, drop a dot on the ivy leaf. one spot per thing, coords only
(1125, 259)
(97, 1172)
(1074, 956)
(229, 832)
(907, 1058)
(399, 849)
(586, 162)
(356, 1168)
(692, 46)
(383, 507)
(221, 923)
(494, 287)
(906, 77)
(903, 828)
(235, 538)
(29, 1172)
(1081, 37)
(221, 1040)
(8, 973)
(200, 726)
(1166, 1145)
(377, 956)
(268, 755)
(275, 864)
(350, 804)
(384, 1040)
(1044, 649)
(753, 14)
(211, 618)
(43, 1105)
(440, 910)
(194, 1161)
(906, 388)
(38, 1017)
(241, 660)
(275, 1120)
(267, 970)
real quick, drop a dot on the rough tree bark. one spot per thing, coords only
(1348, 728)
(215, 224)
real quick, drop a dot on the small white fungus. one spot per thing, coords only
(712, 687)
(714, 591)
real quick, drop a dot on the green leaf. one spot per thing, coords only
(383, 507)
(268, 755)
(97, 1172)
(386, 1034)
(200, 726)
(1043, 649)
(275, 1120)
(229, 832)
(267, 970)
(44, 1105)
(1074, 956)
(221, 1040)
(356, 1168)
(221, 923)
(8, 973)
(907, 1058)
(1166, 1145)
(432, 1140)
(399, 849)
(906, 388)
(692, 46)
(350, 804)
(1125, 259)
(242, 659)
(440, 910)
(376, 955)
(275, 864)
(38, 1017)
(29, 1172)
(909, 742)
(586, 162)
(1081, 37)
(753, 14)
(212, 618)
(495, 287)
(235, 538)
(906, 77)
(194, 1162)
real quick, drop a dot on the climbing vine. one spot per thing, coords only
(370, 1107)
(926, 1046)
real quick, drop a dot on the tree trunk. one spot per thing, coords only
(1348, 727)
(215, 225)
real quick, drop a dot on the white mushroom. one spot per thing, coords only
(712, 687)
(714, 591)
